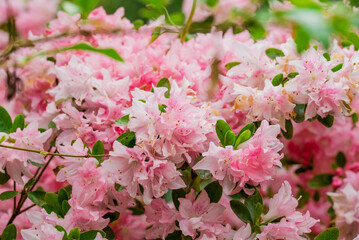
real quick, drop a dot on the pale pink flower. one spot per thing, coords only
(199, 214)
(131, 167)
(162, 217)
(282, 203)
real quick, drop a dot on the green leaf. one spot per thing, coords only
(312, 23)
(340, 159)
(123, 121)
(4, 177)
(327, 56)
(164, 82)
(329, 234)
(292, 75)
(250, 126)
(118, 187)
(91, 235)
(74, 234)
(87, 6)
(221, 129)
(214, 191)
(321, 180)
(277, 80)
(98, 149)
(254, 203)
(105, 51)
(302, 39)
(241, 211)
(19, 122)
(62, 196)
(62, 229)
(5, 121)
(156, 33)
(8, 195)
(65, 207)
(346, 43)
(229, 138)
(299, 113)
(211, 3)
(327, 121)
(231, 64)
(162, 107)
(272, 53)
(52, 203)
(176, 194)
(244, 136)
(176, 235)
(37, 197)
(138, 23)
(29, 183)
(35, 163)
(288, 134)
(9, 232)
(127, 139)
(354, 39)
(337, 67)
(110, 234)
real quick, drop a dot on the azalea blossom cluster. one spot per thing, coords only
(114, 131)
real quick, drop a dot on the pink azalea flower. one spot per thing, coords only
(131, 167)
(282, 203)
(199, 215)
(162, 217)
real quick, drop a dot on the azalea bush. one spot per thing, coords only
(194, 119)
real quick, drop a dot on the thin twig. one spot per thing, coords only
(25, 209)
(53, 154)
(189, 21)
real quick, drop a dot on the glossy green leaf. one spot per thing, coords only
(9, 233)
(299, 110)
(123, 121)
(288, 133)
(329, 234)
(176, 194)
(19, 122)
(241, 211)
(277, 80)
(105, 51)
(5, 121)
(337, 68)
(229, 138)
(231, 64)
(164, 82)
(52, 203)
(340, 159)
(214, 191)
(98, 149)
(321, 180)
(8, 195)
(156, 33)
(244, 136)
(327, 121)
(74, 234)
(272, 53)
(37, 197)
(62, 229)
(4, 177)
(221, 129)
(127, 139)
(327, 56)
(354, 39)
(91, 235)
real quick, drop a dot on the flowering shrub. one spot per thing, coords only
(110, 129)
